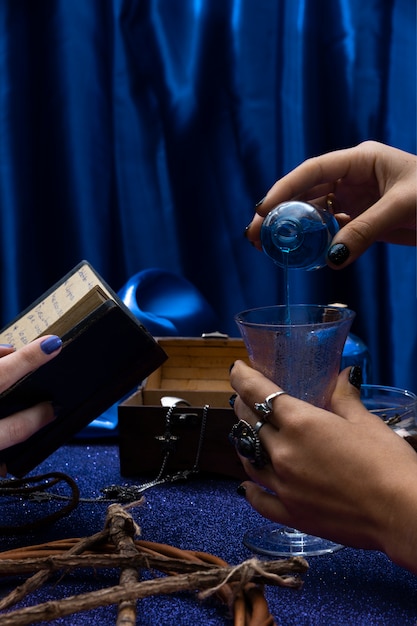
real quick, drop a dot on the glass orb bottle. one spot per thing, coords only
(297, 235)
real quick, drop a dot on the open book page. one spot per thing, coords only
(60, 309)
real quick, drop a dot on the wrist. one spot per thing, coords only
(399, 538)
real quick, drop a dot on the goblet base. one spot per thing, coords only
(278, 540)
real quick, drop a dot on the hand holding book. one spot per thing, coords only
(14, 365)
(105, 353)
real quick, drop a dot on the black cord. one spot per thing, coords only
(35, 488)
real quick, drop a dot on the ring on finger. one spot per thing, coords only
(265, 407)
(330, 202)
(245, 439)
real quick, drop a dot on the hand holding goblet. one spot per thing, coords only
(341, 474)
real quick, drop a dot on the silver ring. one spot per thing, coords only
(265, 407)
(245, 439)
(258, 426)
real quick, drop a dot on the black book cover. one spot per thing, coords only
(105, 354)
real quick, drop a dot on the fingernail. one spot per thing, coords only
(355, 376)
(6, 345)
(51, 344)
(232, 399)
(258, 204)
(338, 253)
(252, 243)
(241, 490)
(231, 367)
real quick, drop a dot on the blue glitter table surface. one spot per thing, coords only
(349, 587)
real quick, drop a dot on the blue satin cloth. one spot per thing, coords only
(140, 134)
(349, 587)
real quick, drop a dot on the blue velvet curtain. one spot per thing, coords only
(140, 133)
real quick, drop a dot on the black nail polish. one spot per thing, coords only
(231, 367)
(246, 234)
(355, 376)
(232, 399)
(338, 254)
(258, 204)
(241, 490)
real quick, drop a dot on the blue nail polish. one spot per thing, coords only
(6, 345)
(51, 344)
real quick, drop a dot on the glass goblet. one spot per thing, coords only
(299, 347)
(396, 407)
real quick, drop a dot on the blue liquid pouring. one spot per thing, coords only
(297, 235)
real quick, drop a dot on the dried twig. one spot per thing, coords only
(122, 530)
(240, 587)
(262, 572)
(41, 577)
(12, 567)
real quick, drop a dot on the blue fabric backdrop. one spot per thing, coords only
(140, 133)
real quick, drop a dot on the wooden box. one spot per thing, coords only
(197, 370)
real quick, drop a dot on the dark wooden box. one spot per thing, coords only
(197, 370)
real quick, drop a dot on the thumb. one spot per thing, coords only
(346, 398)
(350, 242)
(378, 223)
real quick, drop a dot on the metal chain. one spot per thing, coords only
(130, 493)
(126, 492)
